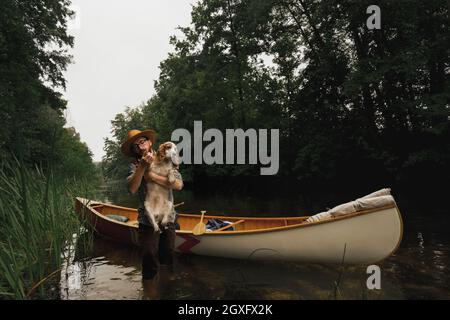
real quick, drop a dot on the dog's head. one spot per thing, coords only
(168, 151)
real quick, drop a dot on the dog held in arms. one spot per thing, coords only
(158, 204)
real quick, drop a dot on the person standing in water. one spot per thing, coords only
(157, 247)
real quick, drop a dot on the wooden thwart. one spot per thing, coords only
(230, 225)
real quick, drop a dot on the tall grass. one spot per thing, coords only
(37, 223)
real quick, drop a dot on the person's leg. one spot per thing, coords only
(167, 245)
(165, 272)
(150, 289)
(166, 248)
(149, 242)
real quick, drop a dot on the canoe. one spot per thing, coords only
(363, 237)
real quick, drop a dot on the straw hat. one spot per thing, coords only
(133, 135)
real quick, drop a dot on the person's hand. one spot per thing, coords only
(147, 158)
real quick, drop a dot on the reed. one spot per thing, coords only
(38, 224)
(336, 284)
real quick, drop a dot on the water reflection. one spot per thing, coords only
(418, 270)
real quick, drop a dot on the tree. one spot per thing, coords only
(33, 56)
(352, 104)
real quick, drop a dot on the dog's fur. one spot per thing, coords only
(159, 208)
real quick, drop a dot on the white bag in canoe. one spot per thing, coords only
(374, 200)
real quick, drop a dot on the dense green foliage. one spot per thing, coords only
(353, 105)
(33, 56)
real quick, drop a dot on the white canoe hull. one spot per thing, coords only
(366, 237)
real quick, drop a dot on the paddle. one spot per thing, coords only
(200, 228)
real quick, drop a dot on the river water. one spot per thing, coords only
(418, 270)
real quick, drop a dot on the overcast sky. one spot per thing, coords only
(118, 47)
